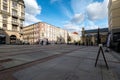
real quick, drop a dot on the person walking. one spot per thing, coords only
(42, 42)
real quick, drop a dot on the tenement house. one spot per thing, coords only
(44, 32)
(11, 21)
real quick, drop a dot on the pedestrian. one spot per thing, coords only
(42, 42)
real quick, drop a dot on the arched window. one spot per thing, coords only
(12, 39)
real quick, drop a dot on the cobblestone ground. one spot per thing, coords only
(56, 62)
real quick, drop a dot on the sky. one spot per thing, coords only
(71, 15)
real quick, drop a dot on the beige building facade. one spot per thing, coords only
(11, 21)
(74, 38)
(114, 15)
(44, 32)
(114, 23)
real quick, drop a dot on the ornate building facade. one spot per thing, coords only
(11, 21)
(89, 37)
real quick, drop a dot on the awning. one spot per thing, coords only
(2, 35)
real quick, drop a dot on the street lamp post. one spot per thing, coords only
(100, 50)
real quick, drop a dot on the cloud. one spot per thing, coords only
(97, 10)
(32, 9)
(72, 27)
(78, 18)
(87, 13)
(30, 19)
(66, 11)
(79, 6)
(90, 25)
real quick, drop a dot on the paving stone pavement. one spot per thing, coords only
(77, 65)
(21, 55)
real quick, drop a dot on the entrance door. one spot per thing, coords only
(12, 39)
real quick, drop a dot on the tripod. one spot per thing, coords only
(100, 49)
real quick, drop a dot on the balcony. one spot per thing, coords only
(5, 1)
(14, 7)
(22, 12)
(22, 3)
(4, 12)
(15, 15)
(22, 18)
(15, 23)
(21, 25)
(5, 4)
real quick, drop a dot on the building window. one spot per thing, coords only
(14, 28)
(42, 29)
(14, 12)
(14, 4)
(4, 26)
(22, 8)
(21, 23)
(22, 15)
(21, 28)
(4, 17)
(14, 20)
(42, 34)
(5, 8)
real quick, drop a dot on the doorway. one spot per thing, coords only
(12, 39)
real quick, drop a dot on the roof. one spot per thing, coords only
(75, 33)
(96, 30)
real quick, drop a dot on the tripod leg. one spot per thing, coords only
(104, 58)
(97, 57)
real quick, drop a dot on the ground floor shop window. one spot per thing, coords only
(2, 39)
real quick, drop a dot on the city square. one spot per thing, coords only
(59, 39)
(56, 62)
